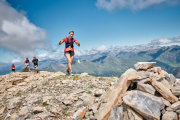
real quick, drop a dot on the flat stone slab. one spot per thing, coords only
(145, 104)
(144, 65)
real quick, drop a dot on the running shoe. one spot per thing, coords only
(71, 74)
(67, 72)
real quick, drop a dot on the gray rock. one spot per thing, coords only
(29, 115)
(79, 103)
(176, 90)
(145, 104)
(116, 113)
(175, 106)
(85, 97)
(76, 91)
(178, 111)
(146, 88)
(144, 81)
(13, 102)
(169, 116)
(132, 115)
(144, 65)
(170, 78)
(79, 114)
(93, 107)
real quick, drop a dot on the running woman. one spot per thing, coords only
(69, 50)
(27, 64)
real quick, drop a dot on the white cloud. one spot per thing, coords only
(15, 61)
(18, 35)
(161, 41)
(131, 4)
(177, 39)
(101, 48)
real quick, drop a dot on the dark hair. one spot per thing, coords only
(71, 31)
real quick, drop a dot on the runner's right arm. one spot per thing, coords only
(60, 42)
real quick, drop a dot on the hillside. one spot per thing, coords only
(145, 93)
(111, 63)
(113, 66)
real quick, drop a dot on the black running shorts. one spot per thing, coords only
(69, 52)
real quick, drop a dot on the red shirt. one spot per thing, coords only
(12, 67)
(65, 40)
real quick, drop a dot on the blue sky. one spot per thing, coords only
(95, 22)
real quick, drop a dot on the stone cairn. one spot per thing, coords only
(147, 93)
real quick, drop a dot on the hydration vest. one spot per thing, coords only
(27, 61)
(69, 43)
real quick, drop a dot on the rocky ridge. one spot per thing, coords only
(49, 95)
(145, 93)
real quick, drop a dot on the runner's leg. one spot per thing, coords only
(29, 68)
(72, 58)
(69, 61)
(36, 69)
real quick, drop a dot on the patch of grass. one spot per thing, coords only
(87, 90)
(56, 78)
(18, 94)
(109, 82)
(85, 103)
(106, 88)
(48, 107)
(46, 83)
(91, 86)
(64, 112)
(53, 98)
(38, 102)
(75, 77)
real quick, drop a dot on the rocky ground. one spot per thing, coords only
(147, 93)
(49, 95)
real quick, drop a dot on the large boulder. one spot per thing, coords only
(114, 95)
(144, 65)
(145, 104)
(165, 92)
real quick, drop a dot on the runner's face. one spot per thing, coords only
(71, 35)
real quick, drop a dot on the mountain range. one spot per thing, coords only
(113, 62)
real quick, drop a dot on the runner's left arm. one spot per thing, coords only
(77, 43)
